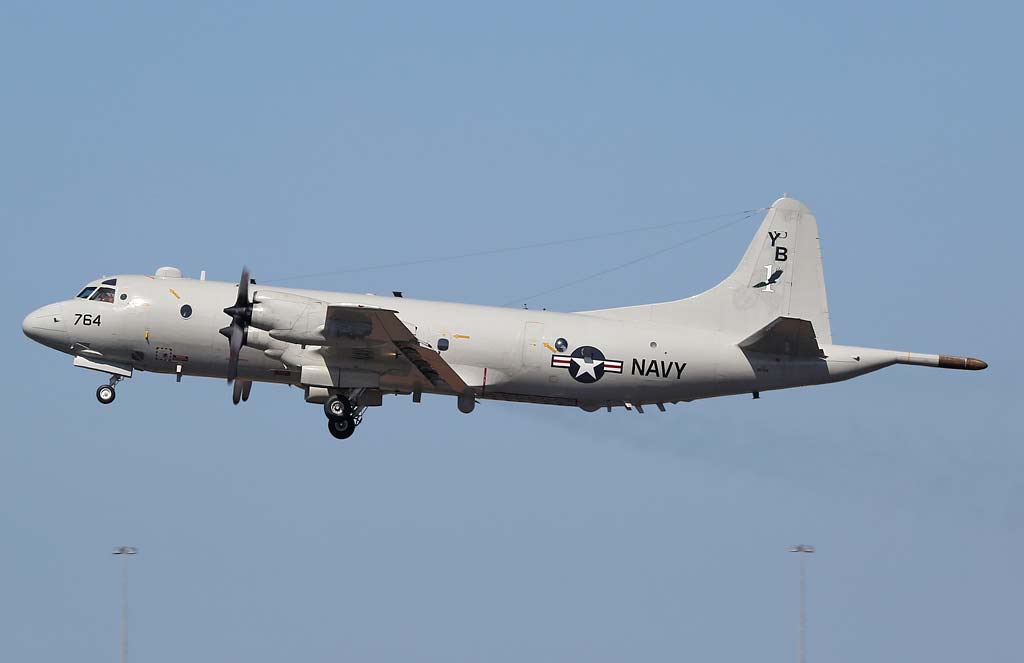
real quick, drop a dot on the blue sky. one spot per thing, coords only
(329, 137)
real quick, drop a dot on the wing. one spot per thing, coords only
(377, 334)
(348, 345)
(784, 336)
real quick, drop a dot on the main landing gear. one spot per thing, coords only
(338, 406)
(342, 416)
(106, 393)
(342, 427)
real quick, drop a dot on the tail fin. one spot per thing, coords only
(780, 275)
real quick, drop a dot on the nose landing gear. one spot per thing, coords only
(106, 393)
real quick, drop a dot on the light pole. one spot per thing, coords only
(803, 550)
(124, 551)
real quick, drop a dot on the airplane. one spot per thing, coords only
(765, 327)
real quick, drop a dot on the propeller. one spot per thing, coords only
(241, 316)
(240, 391)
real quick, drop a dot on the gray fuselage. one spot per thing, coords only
(502, 353)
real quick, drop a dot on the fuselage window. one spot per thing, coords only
(186, 311)
(442, 344)
(561, 344)
(124, 296)
(104, 295)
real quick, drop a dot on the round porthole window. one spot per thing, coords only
(561, 344)
(124, 296)
(186, 311)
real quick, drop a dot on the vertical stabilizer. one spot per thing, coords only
(780, 275)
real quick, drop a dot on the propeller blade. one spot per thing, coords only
(236, 341)
(246, 388)
(243, 289)
(236, 392)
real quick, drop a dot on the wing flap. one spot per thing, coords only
(430, 364)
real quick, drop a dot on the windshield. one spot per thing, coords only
(86, 292)
(104, 295)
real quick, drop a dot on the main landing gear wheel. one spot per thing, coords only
(341, 427)
(105, 394)
(338, 407)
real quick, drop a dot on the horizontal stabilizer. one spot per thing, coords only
(784, 336)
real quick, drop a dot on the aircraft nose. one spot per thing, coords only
(46, 326)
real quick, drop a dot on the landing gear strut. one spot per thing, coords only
(105, 393)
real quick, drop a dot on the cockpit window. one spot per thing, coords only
(110, 282)
(86, 292)
(104, 295)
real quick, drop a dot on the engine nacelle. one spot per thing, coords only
(303, 320)
(261, 340)
(279, 311)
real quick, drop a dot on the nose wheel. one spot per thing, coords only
(106, 393)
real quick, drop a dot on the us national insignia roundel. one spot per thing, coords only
(586, 364)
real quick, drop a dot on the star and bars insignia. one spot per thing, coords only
(586, 364)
